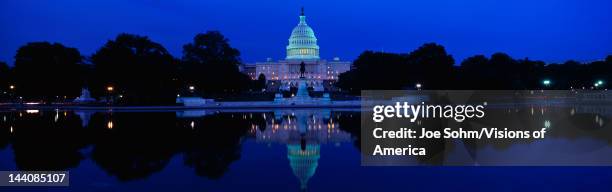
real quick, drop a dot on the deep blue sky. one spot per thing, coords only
(549, 30)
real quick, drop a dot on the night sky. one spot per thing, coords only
(549, 30)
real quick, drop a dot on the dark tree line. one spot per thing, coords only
(128, 69)
(133, 69)
(433, 68)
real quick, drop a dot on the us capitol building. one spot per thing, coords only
(302, 48)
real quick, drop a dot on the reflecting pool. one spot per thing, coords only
(257, 150)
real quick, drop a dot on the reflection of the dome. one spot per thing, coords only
(303, 160)
(303, 131)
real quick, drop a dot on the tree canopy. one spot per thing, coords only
(4, 75)
(139, 69)
(429, 64)
(47, 71)
(211, 64)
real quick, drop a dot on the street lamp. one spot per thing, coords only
(418, 86)
(12, 93)
(191, 88)
(109, 90)
(546, 82)
(599, 83)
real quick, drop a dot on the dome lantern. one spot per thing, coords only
(302, 42)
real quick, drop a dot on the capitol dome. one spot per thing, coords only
(302, 43)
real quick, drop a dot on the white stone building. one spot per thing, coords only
(302, 48)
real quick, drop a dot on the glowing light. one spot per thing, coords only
(191, 88)
(110, 88)
(12, 87)
(598, 83)
(32, 111)
(546, 82)
(109, 125)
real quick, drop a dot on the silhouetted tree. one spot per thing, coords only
(431, 66)
(374, 70)
(138, 68)
(261, 81)
(210, 63)
(529, 73)
(47, 71)
(600, 71)
(500, 72)
(4, 77)
(474, 70)
(569, 74)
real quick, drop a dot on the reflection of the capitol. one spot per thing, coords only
(303, 131)
(296, 127)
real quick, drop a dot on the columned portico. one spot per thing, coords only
(302, 48)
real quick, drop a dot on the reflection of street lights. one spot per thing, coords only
(110, 124)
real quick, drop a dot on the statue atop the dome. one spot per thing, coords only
(302, 42)
(302, 69)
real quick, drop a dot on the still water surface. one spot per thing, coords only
(255, 150)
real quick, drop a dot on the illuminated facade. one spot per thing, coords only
(302, 47)
(303, 131)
